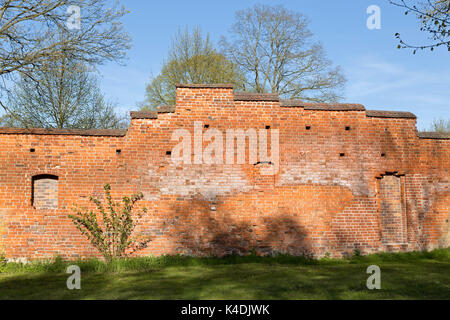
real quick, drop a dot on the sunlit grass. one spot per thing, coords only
(415, 275)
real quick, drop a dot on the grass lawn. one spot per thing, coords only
(424, 275)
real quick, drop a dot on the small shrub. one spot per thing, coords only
(356, 253)
(2, 259)
(112, 235)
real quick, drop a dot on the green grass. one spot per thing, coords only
(414, 275)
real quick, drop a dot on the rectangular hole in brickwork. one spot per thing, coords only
(308, 127)
(341, 154)
(168, 153)
(347, 128)
(383, 155)
(206, 126)
(32, 150)
(267, 127)
(118, 151)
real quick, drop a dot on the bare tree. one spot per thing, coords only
(191, 59)
(65, 94)
(441, 125)
(30, 34)
(434, 16)
(273, 47)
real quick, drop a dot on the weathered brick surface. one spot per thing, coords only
(348, 179)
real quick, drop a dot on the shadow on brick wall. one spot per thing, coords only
(207, 232)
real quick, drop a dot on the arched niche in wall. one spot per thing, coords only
(44, 192)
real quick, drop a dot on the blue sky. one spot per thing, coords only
(379, 75)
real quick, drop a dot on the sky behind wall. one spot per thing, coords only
(379, 75)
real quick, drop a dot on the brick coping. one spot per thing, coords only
(67, 132)
(434, 135)
(144, 115)
(205, 86)
(390, 114)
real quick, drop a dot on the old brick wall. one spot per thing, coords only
(348, 178)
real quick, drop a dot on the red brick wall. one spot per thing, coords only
(317, 202)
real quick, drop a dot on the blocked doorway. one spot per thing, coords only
(392, 207)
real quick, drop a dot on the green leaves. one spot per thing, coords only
(112, 234)
(192, 58)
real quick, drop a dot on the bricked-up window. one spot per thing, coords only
(392, 210)
(44, 192)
